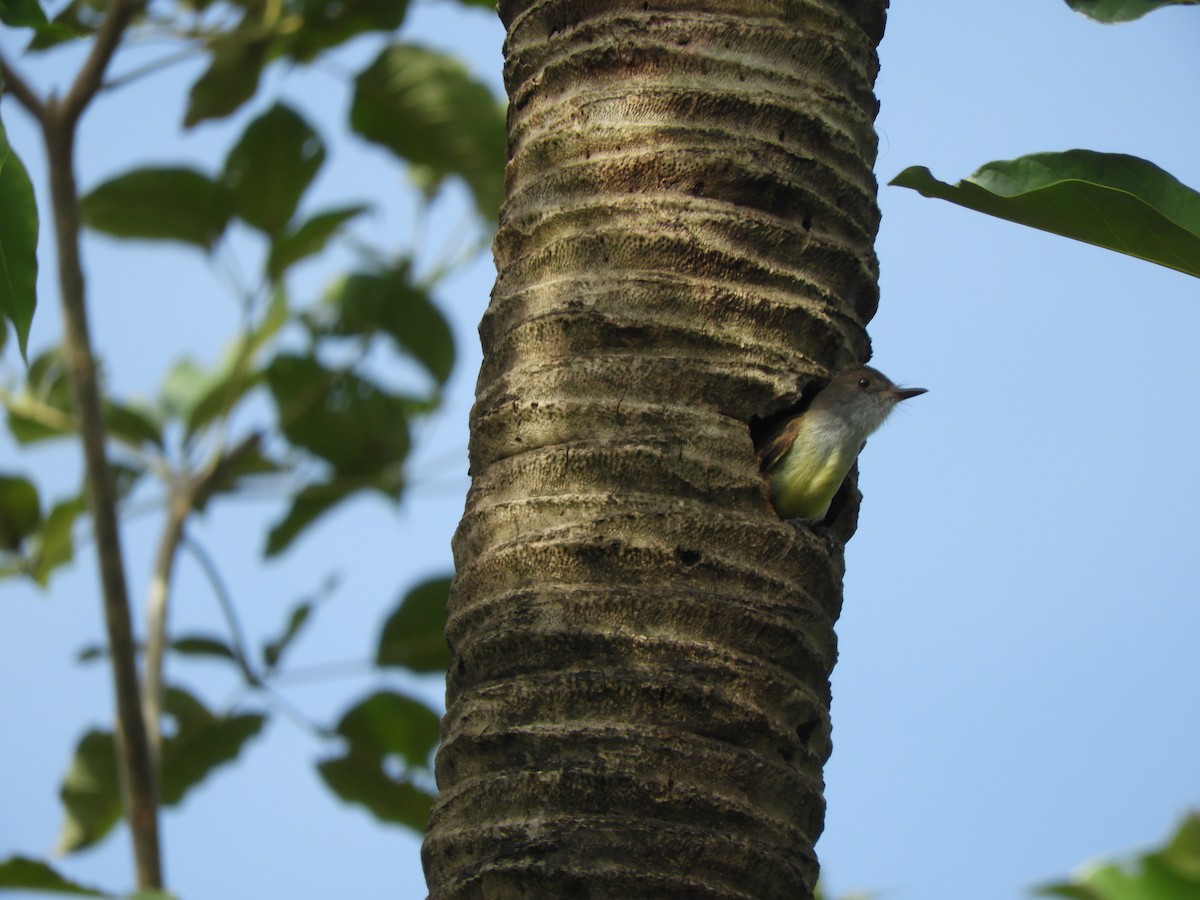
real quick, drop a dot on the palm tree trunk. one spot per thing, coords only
(639, 700)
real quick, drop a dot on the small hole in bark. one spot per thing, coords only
(687, 558)
(805, 730)
(807, 223)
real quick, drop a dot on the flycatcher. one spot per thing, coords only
(808, 456)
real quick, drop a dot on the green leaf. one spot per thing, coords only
(328, 23)
(387, 724)
(307, 506)
(425, 108)
(23, 873)
(414, 634)
(1183, 852)
(388, 302)
(1119, 202)
(1172, 873)
(201, 742)
(272, 165)
(182, 389)
(363, 780)
(229, 81)
(90, 795)
(203, 645)
(134, 426)
(91, 653)
(273, 650)
(18, 243)
(54, 545)
(306, 239)
(22, 13)
(349, 422)
(160, 204)
(243, 460)
(1109, 11)
(198, 396)
(20, 511)
(77, 19)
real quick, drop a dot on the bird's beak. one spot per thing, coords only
(899, 394)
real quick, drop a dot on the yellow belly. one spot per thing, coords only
(804, 484)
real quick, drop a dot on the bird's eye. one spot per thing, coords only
(864, 383)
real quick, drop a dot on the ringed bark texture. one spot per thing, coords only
(639, 700)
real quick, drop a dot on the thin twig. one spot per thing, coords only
(151, 67)
(225, 601)
(324, 671)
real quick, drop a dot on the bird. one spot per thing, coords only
(807, 457)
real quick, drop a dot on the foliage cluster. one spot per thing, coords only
(300, 404)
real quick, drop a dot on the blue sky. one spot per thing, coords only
(1016, 688)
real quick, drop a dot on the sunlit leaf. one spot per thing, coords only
(160, 204)
(23, 873)
(20, 511)
(389, 303)
(185, 384)
(200, 743)
(1122, 10)
(90, 794)
(272, 165)
(1119, 202)
(426, 108)
(328, 23)
(414, 634)
(306, 239)
(18, 243)
(229, 81)
(1183, 852)
(1172, 873)
(42, 409)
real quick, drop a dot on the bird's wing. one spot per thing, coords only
(778, 444)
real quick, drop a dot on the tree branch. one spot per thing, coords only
(178, 507)
(91, 73)
(137, 764)
(136, 761)
(16, 85)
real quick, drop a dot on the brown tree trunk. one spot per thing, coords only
(639, 700)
